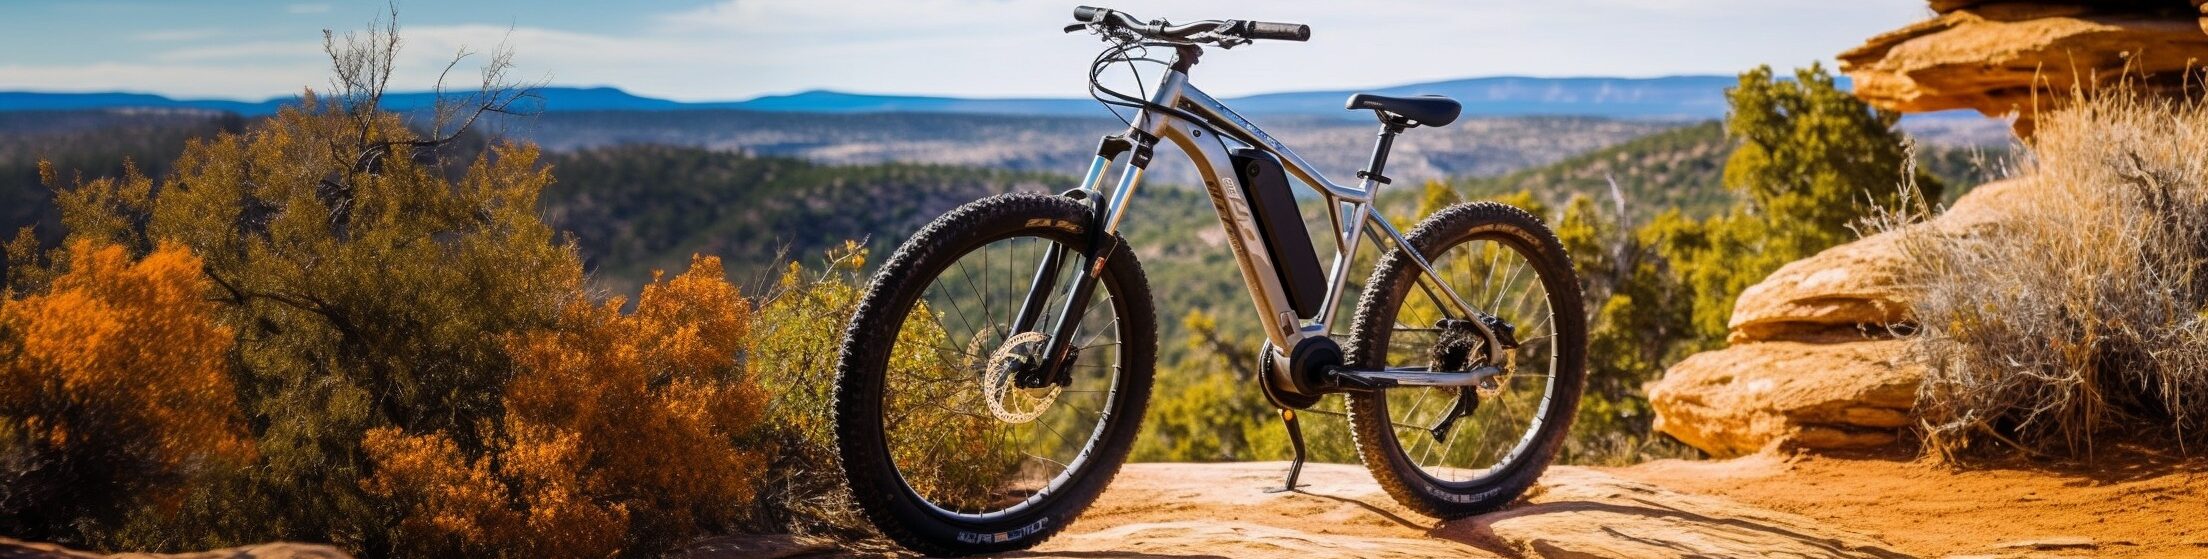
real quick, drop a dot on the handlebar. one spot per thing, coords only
(1224, 32)
(1278, 31)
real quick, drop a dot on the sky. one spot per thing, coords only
(710, 50)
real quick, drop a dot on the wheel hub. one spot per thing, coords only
(1460, 340)
(1000, 388)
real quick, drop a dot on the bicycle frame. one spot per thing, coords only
(1350, 212)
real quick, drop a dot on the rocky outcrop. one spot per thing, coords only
(1850, 291)
(1753, 396)
(1581, 513)
(2023, 57)
(15, 549)
(1839, 292)
(1224, 510)
(1812, 363)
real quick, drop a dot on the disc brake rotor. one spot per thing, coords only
(1000, 380)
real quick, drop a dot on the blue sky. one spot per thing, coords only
(698, 50)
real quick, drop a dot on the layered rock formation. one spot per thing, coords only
(1223, 510)
(1577, 513)
(1812, 362)
(2024, 57)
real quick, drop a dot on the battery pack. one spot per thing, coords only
(1273, 204)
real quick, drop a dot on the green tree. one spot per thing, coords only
(1811, 161)
(1437, 195)
(1639, 325)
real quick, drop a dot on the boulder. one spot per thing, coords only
(2023, 57)
(1852, 290)
(1984, 208)
(1812, 364)
(1748, 397)
(1843, 291)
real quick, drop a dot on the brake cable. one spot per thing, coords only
(1118, 53)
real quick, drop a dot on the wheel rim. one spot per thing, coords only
(1495, 276)
(949, 448)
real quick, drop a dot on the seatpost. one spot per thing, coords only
(1388, 129)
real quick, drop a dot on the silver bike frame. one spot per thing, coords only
(1350, 209)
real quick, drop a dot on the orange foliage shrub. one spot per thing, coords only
(113, 392)
(623, 434)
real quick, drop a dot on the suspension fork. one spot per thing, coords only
(1057, 354)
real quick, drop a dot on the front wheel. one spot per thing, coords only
(943, 450)
(1448, 451)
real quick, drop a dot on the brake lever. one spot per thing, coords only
(1072, 27)
(1223, 41)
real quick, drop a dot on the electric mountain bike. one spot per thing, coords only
(995, 373)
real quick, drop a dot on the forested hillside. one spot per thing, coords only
(1684, 168)
(90, 144)
(633, 209)
(1471, 146)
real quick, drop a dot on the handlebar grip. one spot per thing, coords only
(1089, 14)
(1278, 31)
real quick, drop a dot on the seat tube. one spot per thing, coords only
(1346, 241)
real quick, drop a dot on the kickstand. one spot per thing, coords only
(1295, 439)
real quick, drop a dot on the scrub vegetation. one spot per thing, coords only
(336, 324)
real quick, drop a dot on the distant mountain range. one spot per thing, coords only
(1678, 97)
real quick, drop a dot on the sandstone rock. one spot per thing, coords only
(1582, 513)
(1747, 397)
(757, 546)
(1838, 291)
(2003, 57)
(1851, 290)
(15, 549)
(1982, 210)
(1223, 510)
(1811, 365)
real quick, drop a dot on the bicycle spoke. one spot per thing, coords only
(954, 447)
(1496, 274)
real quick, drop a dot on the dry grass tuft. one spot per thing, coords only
(2085, 312)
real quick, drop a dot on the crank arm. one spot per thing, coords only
(1414, 376)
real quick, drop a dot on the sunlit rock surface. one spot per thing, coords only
(2022, 57)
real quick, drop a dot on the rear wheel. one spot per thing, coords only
(1447, 451)
(943, 451)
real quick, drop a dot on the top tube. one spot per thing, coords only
(1176, 91)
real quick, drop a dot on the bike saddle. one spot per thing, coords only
(1428, 110)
